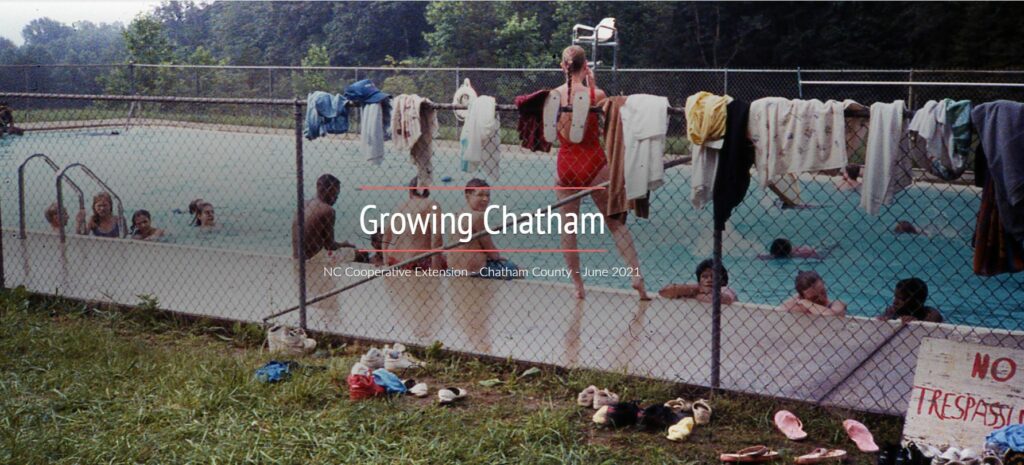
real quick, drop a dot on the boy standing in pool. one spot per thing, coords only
(478, 256)
(318, 233)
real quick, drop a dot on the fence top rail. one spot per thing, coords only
(414, 68)
(145, 98)
(913, 83)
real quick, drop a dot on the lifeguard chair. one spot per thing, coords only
(603, 35)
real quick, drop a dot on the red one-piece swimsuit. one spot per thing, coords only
(578, 164)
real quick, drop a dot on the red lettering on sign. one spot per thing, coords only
(920, 399)
(980, 366)
(1011, 370)
(933, 408)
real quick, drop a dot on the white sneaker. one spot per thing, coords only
(373, 359)
(360, 369)
(288, 340)
(449, 395)
(419, 390)
(395, 358)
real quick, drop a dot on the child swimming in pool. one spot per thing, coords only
(202, 215)
(583, 164)
(58, 222)
(782, 248)
(142, 227)
(908, 303)
(102, 222)
(701, 290)
(812, 297)
(478, 256)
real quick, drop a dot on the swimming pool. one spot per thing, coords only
(250, 180)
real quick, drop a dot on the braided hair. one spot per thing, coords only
(573, 58)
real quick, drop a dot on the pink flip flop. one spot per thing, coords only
(860, 436)
(789, 425)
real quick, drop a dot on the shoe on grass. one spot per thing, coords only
(450, 394)
(680, 430)
(701, 412)
(586, 397)
(373, 359)
(604, 397)
(287, 340)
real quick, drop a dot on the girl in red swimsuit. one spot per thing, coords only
(584, 165)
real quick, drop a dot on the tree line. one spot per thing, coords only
(531, 34)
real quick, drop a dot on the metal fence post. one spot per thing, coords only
(799, 84)
(197, 82)
(300, 215)
(910, 90)
(725, 81)
(271, 72)
(716, 310)
(3, 281)
(131, 77)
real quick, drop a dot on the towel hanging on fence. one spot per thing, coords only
(480, 139)
(732, 178)
(371, 131)
(797, 136)
(1000, 126)
(705, 127)
(531, 121)
(935, 124)
(887, 163)
(644, 125)
(615, 150)
(363, 93)
(415, 127)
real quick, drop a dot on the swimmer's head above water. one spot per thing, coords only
(780, 248)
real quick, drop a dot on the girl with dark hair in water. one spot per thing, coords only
(142, 227)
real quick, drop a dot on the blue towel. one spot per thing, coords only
(1009, 437)
(388, 380)
(274, 371)
(365, 93)
(325, 114)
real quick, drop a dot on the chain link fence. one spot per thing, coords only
(242, 164)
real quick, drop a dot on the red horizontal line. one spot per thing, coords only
(490, 188)
(457, 250)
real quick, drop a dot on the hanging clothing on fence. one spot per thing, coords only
(481, 138)
(616, 152)
(887, 163)
(732, 178)
(797, 136)
(644, 125)
(705, 127)
(958, 118)
(995, 251)
(531, 121)
(1000, 127)
(364, 92)
(415, 127)
(371, 132)
(932, 124)
(325, 114)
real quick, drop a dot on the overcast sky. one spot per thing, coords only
(15, 15)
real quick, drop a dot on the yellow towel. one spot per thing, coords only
(705, 117)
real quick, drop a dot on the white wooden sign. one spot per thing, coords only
(962, 392)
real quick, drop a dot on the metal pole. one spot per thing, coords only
(910, 90)
(799, 84)
(271, 71)
(131, 77)
(716, 310)
(300, 216)
(725, 82)
(21, 203)
(197, 82)
(3, 281)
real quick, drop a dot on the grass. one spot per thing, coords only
(87, 384)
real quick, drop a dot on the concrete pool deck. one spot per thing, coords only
(848, 362)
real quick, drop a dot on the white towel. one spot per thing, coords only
(797, 136)
(929, 124)
(644, 125)
(887, 165)
(371, 132)
(480, 138)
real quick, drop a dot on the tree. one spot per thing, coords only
(314, 80)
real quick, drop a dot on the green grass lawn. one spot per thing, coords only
(87, 384)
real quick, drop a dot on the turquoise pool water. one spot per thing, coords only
(250, 180)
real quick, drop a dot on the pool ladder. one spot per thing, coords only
(62, 175)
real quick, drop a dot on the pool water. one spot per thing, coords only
(250, 179)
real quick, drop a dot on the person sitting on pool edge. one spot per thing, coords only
(782, 248)
(142, 227)
(57, 222)
(850, 174)
(318, 221)
(102, 222)
(202, 214)
(418, 205)
(478, 256)
(701, 290)
(812, 297)
(908, 303)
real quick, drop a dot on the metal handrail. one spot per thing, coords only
(21, 191)
(88, 172)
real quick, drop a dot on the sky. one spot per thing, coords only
(15, 15)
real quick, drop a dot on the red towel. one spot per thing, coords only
(995, 252)
(531, 121)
